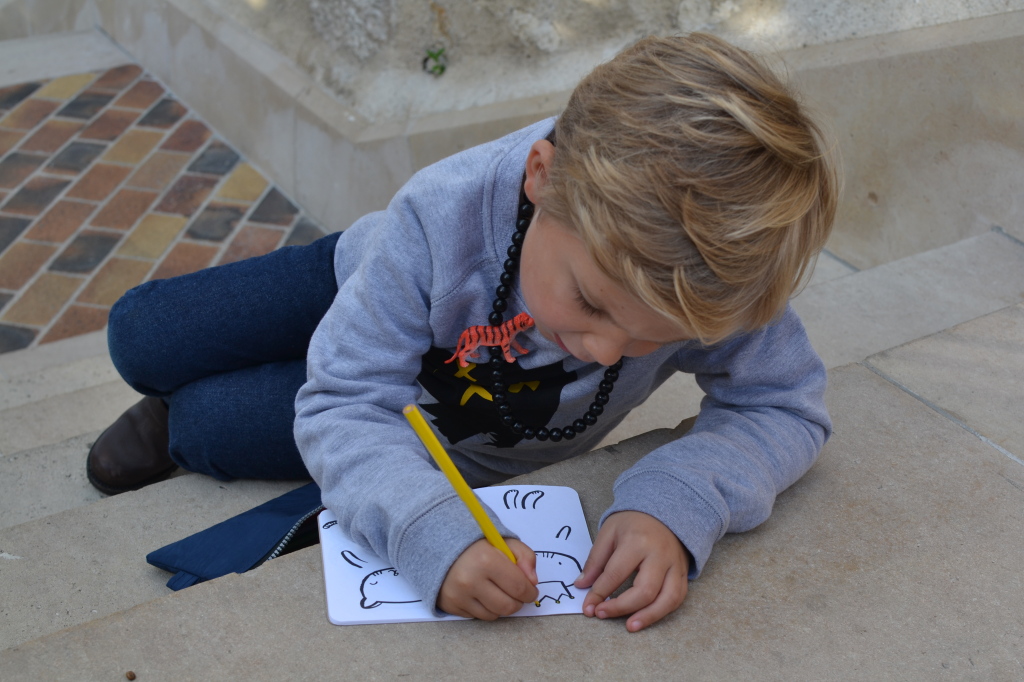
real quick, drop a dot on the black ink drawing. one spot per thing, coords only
(348, 555)
(384, 587)
(329, 524)
(526, 499)
(567, 530)
(559, 571)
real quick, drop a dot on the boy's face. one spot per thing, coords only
(578, 307)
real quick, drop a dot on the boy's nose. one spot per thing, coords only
(606, 350)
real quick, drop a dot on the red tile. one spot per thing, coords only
(184, 258)
(187, 194)
(99, 182)
(140, 96)
(118, 78)
(60, 222)
(109, 125)
(124, 210)
(28, 114)
(190, 136)
(51, 136)
(251, 241)
(8, 140)
(76, 320)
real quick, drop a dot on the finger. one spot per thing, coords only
(496, 599)
(671, 598)
(597, 559)
(526, 559)
(616, 570)
(645, 589)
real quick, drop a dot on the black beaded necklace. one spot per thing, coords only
(497, 361)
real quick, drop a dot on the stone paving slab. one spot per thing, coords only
(44, 481)
(33, 360)
(53, 56)
(54, 381)
(851, 318)
(896, 557)
(75, 566)
(974, 371)
(64, 416)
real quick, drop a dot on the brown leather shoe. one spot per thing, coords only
(133, 452)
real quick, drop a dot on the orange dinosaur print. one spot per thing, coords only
(503, 335)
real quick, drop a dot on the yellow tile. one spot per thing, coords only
(133, 146)
(116, 277)
(66, 87)
(244, 184)
(43, 300)
(153, 235)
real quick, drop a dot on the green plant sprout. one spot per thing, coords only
(436, 61)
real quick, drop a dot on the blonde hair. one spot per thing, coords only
(695, 180)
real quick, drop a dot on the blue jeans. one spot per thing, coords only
(225, 348)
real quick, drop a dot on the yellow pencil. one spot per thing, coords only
(419, 425)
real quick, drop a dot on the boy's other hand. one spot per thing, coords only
(633, 541)
(484, 584)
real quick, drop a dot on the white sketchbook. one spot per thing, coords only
(362, 588)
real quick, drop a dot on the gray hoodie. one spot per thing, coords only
(411, 278)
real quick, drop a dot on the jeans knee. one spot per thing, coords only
(127, 332)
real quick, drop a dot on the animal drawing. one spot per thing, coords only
(384, 587)
(557, 572)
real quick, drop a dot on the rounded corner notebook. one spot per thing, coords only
(363, 588)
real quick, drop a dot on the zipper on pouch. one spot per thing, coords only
(283, 545)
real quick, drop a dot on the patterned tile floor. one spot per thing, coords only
(107, 181)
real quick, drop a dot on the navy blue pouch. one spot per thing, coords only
(282, 525)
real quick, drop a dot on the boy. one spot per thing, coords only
(659, 225)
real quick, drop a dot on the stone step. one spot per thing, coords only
(55, 55)
(81, 564)
(897, 556)
(850, 315)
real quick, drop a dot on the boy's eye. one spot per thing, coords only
(585, 305)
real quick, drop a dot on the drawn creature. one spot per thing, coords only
(503, 335)
(383, 587)
(567, 529)
(348, 555)
(526, 498)
(329, 524)
(557, 572)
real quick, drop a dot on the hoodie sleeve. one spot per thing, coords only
(362, 362)
(761, 426)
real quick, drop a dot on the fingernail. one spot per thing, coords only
(602, 614)
(635, 625)
(589, 610)
(578, 578)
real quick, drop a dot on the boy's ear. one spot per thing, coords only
(538, 162)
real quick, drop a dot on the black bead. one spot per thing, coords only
(529, 434)
(495, 319)
(502, 291)
(595, 409)
(496, 363)
(497, 352)
(500, 305)
(504, 408)
(526, 209)
(499, 397)
(513, 251)
(510, 265)
(589, 418)
(568, 433)
(507, 278)
(507, 420)
(606, 386)
(497, 386)
(518, 238)
(518, 427)
(601, 398)
(617, 366)
(611, 374)
(542, 434)
(555, 435)
(523, 224)
(579, 426)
